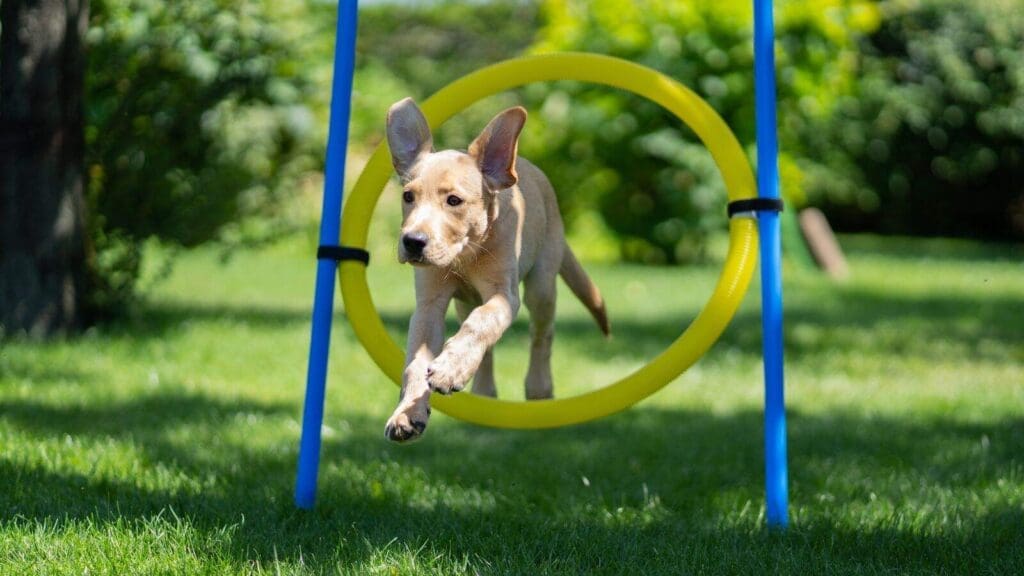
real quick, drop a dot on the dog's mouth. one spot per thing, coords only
(418, 260)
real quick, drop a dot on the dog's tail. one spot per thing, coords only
(584, 289)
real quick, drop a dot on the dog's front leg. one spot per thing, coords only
(462, 354)
(426, 336)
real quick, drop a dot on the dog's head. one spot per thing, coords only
(448, 196)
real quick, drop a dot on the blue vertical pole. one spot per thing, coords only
(776, 475)
(330, 229)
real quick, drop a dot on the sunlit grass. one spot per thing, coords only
(167, 443)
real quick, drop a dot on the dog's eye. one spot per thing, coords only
(454, 200)
(408, 197)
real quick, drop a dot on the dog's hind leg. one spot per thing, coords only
(539, 296)
(483, 380)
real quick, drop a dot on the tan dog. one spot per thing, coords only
(475, 225)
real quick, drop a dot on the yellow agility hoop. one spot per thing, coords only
(680, 355)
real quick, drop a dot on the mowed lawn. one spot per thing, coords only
(167, 443)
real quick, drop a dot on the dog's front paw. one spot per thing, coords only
(406, 425)
(444, 377)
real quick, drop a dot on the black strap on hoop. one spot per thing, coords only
(340, 253)
(754, 205)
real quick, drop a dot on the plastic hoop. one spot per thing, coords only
(674, 360)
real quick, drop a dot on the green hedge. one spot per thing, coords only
(198, 118)
(655, 185)
(932, 141)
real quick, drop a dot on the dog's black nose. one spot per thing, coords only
(414, 243)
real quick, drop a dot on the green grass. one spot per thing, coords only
(167, 443)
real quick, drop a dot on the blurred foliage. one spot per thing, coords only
(434, 44)
(932, 141)
(655, 185)
(198, 120)
(414, 50)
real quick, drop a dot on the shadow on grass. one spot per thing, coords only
(873, 323)
(938, 249)
(667, 490)
(34, 373)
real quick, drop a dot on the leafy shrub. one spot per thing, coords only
(932, 141)
(414, 50)
(196, 119)
(654, 184)
(429, 46)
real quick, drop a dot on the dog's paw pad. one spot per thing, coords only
(400, 428)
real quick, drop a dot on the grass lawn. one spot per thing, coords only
(167, 443)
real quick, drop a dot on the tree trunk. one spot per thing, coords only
(42, 230)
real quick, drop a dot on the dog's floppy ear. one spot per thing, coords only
(495, 148)
(408, 135)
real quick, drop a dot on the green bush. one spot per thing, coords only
(656, 187)
(429, 46)
(932, 141)
(197, 120)
(414, 50)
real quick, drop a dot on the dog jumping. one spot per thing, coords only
(476, 224)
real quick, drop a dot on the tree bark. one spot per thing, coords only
(42, 179)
